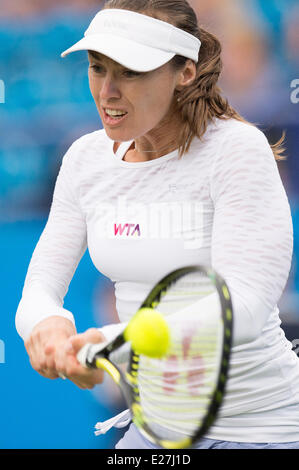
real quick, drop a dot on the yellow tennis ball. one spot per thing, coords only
(149, 333)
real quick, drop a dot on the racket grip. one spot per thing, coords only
(82, 355)
(88, 352)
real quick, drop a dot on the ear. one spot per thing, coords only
(187, 75)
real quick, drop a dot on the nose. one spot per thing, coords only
(109, 88)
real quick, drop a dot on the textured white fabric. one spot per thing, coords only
(223, 204)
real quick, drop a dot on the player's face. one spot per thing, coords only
(131, 104)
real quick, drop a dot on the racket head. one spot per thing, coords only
(186, 297)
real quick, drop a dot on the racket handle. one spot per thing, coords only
(82, 355)
(88, 353)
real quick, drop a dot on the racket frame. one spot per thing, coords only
(128, 382)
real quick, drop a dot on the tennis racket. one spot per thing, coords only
(175, 394)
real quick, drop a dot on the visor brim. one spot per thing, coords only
(129, 54)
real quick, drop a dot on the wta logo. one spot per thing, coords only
(132, 221)
(128, 230)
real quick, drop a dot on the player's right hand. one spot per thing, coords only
(46, 338)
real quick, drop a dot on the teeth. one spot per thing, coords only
(115, 112)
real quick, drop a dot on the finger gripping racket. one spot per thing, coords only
(180, 342)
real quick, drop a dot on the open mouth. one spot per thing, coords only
(114, 116)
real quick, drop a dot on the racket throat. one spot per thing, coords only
(102, 363)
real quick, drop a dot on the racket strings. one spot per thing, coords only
(175, 392)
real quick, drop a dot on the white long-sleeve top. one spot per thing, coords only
(222, 205)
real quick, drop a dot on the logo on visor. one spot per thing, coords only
(115, 25)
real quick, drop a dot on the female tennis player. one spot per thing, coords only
(169, 140)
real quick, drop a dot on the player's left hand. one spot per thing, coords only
(68, 366)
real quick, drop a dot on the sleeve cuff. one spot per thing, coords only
(25, 324)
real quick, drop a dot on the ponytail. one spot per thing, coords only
(202, 101)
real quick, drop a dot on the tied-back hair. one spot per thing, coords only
(202, 101)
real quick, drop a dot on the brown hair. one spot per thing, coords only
(202, 101)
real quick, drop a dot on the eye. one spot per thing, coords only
(131, 74)
(97, 68)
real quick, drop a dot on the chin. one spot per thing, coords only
(119, 135)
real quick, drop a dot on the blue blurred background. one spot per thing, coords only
(45, 104)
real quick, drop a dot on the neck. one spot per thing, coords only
(158, 142)
(159, 151)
